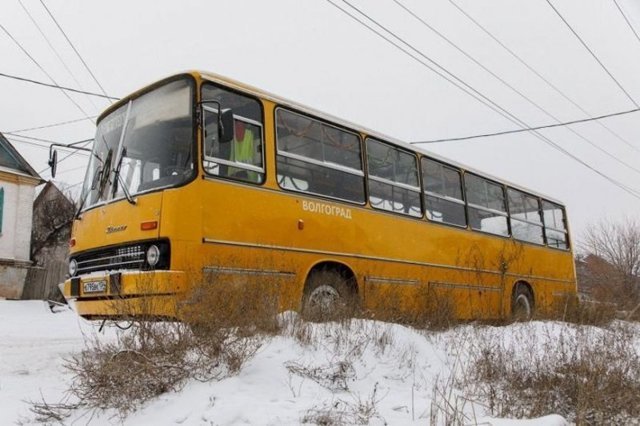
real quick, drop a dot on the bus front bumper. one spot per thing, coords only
(126, 294)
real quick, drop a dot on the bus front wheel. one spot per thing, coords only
(327, 296)
(521, 303)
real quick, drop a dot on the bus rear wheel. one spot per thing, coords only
(521, 303)
(327, 296)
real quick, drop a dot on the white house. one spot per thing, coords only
(17, 190)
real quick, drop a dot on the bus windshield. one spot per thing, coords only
(145, 144)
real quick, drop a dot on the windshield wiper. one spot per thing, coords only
(118, 178)
(122, 151)
(100, 179)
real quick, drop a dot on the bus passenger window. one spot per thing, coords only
(442, 186)
(555, 225)
(241, 158)
(318, 158)
(487, 206)
(526, 222)
(393, 179)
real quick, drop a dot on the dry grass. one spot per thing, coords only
(126, 373)
(358, 411)
(589, 375)
(439, 313)
(221, 329)
(346, 339)
(334, 376)
(426, 310)
(585, 312)
(49, 413)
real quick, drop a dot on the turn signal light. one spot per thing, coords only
(72, 242)
(148, 226)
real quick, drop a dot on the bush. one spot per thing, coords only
(588, 375)
(585, 312)
(221, 329)
(137, 367)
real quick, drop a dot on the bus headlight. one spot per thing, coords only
(153, 255)
(73, 267)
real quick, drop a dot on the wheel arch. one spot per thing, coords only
(333, 265)
(526, 285)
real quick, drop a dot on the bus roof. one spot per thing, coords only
(210, 76)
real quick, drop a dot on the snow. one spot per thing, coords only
(395, 368)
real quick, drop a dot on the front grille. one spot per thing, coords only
(130, 256)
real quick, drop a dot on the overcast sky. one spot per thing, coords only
(311, 52)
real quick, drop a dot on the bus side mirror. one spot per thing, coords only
(53, 162)
(225, 125)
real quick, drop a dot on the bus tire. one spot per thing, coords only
(522, 302)
(328, 296)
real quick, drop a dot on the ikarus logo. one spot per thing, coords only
(117, 228)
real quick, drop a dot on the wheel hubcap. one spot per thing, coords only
(523, 307)
(324, 299)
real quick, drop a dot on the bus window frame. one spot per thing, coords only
(243, 119)
(540, 213)
(565, 231)
(462, 202)
(333, 166)
(194, 126)
(368, 176)
(475, 206)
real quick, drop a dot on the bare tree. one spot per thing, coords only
(616, 245)
(52, 224)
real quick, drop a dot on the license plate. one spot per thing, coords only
(95, 286)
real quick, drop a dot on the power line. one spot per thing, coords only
(75, 50)
(548, 126)
(455, 80)
(516, 91)
(13, 138)
(504, 112)
(47, 141)
(52, 47)
(494, 106)
(626, 20)
(541, 77)
(30, 140)
(75, 152)
(46, 126)
(452, 80)
(66, 171)
(592, 54)
(74, 185)
(38, 145)
(57, 86)
(42, 69)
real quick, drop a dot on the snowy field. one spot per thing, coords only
(373, 373)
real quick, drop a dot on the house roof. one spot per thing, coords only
(10, 158)
(49, 191)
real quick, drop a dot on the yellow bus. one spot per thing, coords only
(201, 180)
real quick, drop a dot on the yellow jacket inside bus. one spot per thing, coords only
(200, 181)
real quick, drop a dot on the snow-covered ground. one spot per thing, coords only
(389, 368)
